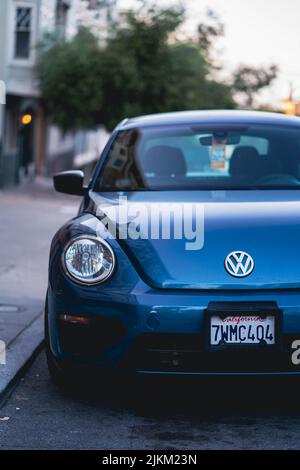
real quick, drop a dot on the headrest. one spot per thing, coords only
(245, 161)
(163, 160)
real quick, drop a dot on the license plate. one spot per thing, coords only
(242, 329)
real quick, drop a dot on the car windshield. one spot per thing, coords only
(191, 157)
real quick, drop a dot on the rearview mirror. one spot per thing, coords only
(70, 182)
(230, 139)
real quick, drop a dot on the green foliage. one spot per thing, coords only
(135, 65)
(141, 69)
(70, 78)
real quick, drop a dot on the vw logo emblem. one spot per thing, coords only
(239, 264)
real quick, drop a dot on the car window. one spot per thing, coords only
(183, 157)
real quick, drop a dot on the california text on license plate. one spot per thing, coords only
(242, 329)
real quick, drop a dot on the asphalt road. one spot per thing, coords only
(156, 415)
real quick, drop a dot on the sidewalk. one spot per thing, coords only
(29, 217)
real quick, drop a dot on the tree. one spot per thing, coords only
(249, 80)
(145, 69)
(70, 78)
(135, 64)
(142, 68)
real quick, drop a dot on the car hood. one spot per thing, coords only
(264, 224)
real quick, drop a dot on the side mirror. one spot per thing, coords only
(70, 182)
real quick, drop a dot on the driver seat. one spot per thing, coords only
(246, 162)
(164, 161)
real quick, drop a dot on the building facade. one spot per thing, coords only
(28, 141)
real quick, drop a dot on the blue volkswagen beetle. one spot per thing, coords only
(184, 255)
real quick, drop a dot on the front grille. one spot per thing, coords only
(187, 353)
(91, 339)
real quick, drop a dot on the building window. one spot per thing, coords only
(61, 15)
(23, 32)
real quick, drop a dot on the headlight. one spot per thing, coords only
(88, 260)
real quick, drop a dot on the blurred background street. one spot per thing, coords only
(70, 70)
(29, 217)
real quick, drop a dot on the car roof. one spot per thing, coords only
(209, 117)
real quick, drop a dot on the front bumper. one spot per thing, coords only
(163, 332)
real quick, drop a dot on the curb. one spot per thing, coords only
(20, 352)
